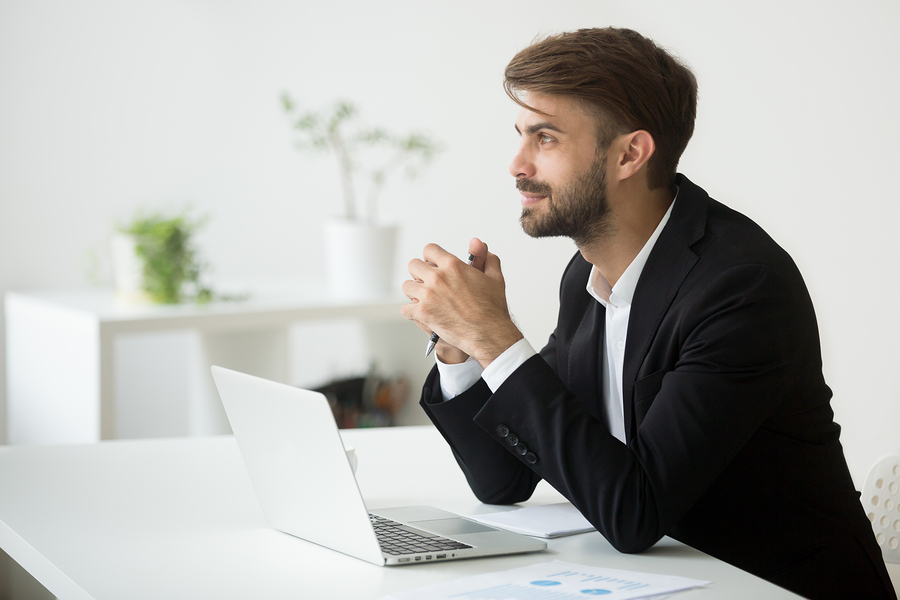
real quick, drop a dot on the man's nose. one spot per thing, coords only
(522, 165)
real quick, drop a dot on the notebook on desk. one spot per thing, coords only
(306, 487)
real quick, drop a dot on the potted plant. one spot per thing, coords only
(360, 249)
(154, 259)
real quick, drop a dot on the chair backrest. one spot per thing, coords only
(881, 500)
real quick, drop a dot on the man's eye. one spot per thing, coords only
(546, 139)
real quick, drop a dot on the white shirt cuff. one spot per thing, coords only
(457, 378)
(504, 365)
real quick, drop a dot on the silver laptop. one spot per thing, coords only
(306, 487)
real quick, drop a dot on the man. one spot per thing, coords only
(681, 393)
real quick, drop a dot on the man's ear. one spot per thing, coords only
(634, 150)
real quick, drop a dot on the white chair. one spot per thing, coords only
(881, 500)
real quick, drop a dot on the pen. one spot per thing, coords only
(433, 340)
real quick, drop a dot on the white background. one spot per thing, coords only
(110, 106)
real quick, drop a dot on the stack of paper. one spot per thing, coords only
(555, 580)
(550, 521)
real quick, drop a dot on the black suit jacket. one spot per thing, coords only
(731, 445)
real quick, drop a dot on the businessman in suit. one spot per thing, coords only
(681, 392)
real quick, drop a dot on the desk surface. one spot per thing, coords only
(178, 519)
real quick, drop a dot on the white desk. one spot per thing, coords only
(178, 519)
(62, 352)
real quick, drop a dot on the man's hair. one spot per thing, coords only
(621, 77)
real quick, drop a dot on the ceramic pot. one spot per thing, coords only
(127, 269)
(360, 258)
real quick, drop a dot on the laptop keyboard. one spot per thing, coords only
(396, 538)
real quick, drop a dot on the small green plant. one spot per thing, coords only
(171, 267)
(338, 130)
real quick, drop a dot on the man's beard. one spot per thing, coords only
(579, 211)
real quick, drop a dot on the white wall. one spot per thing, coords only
(107, 106)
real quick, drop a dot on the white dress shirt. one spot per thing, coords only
(617, 300)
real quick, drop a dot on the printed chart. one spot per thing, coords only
(555, 580)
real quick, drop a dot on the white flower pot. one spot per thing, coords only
(360, 258)
(127, 269)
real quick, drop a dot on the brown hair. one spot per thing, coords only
(623, 78)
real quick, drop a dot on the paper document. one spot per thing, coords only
(550, 521)
(555, 580)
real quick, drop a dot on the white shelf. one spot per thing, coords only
(266, 302)
(63, 384)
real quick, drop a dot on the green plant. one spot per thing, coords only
(171, 267)
(338, 130)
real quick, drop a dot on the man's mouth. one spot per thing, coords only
(531, 199)
(532, 191)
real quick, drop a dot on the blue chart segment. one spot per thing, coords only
(619, 584)
(545, 583)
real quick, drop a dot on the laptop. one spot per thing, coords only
(306, 487)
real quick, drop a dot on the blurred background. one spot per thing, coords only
(107, 107)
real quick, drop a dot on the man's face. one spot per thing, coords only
(560, 172)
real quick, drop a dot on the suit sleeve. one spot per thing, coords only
(495, 476)
(734, 357)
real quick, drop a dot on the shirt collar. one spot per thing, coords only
(623, 291)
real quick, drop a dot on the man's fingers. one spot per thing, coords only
(492, 267)
(409, 288)
(409, 313)
(436, 255)
(418, 269)
(479, 250)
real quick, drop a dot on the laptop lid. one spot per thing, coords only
(296, 460)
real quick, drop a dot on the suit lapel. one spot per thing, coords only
(667, 266)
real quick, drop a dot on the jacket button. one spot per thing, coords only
(512, 440)
(522, 449)
(502, 430)
(530, 458)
